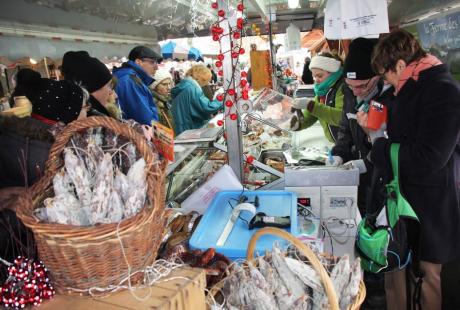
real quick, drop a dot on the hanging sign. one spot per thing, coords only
(441, 33)
(344, 19)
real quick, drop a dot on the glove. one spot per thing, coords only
(380, 133)
(310, 106)
(218, 92)
(296, 120)
(334, 161)
(300, 103)
(357, 164)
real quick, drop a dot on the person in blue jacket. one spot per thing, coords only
(133, 78)
(191, 109)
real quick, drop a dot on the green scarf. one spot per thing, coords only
(322, 88)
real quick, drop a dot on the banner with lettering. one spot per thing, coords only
(441, 33)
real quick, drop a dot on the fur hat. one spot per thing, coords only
(324, 63)
(358, 62)
(160, 76)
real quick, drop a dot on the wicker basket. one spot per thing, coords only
(315, 263)
(83, 257)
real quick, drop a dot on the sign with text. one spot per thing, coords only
(344, 19)
(440, 34)
(163, 139)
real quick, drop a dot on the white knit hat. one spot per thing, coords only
(325, 63)
(159, 77)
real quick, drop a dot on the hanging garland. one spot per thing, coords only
(234, 91)
(27, 284)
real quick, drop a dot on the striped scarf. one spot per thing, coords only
(413, 70)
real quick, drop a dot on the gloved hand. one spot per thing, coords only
(358, 163)
(300, 103)
(334, 161)
(296, 120)
(218, 92)
(380, 133)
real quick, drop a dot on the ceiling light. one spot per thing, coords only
(292, 4)
(33, 61)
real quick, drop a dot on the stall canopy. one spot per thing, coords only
(172, 50)
(314, 41)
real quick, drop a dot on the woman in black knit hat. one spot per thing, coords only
(94, 76)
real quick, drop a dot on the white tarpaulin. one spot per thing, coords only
(345, 19)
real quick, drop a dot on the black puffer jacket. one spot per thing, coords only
(24, 143)
(352, 142)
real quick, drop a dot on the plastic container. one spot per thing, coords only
(273, 203)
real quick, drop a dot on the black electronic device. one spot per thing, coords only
(261, 220)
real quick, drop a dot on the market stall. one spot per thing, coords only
(245, 213)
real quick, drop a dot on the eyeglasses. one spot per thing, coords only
(150, 60)
(359, 87)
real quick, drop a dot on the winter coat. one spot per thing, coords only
(307, 77)
(134, 96)
(352, 142)
(329, 114)
(164, 109)
(23, 140)
(190, 107)
(425, 120)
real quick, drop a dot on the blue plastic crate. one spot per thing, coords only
(273, 203)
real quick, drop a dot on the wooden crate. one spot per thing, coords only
(184, 290)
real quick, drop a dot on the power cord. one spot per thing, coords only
(326, 229)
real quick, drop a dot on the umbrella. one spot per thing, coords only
(172, 50)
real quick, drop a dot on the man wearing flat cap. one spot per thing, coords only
(134, 77)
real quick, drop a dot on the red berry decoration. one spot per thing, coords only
(220, 57)
(214, 5)
(242, 51)
(220, 123)
(240, 7)
(216, 37)
(235, 55)
(243, 74)
(239, 23)
(27, 284)
(228, 103)
(221, 13)
(250, 159)
(243, 83)
(236, 35)
(220, 97)
(233, 117)
(220, 73)
(231, 92)
(218, 64)
(245, 95)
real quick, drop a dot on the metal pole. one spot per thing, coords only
(272, 53)
(231, 80)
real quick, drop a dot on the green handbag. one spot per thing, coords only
(382, 238)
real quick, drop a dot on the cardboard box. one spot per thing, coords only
(184, 290)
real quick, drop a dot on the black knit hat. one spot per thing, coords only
(82, 68)
(59, 101)
(141, 51)
(358, 62)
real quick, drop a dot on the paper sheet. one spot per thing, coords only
(223, 179)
